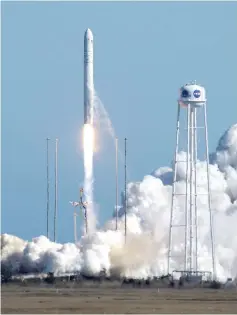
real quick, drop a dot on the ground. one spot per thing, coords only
(114, 299)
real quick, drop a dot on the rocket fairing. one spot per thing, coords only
(88, 78)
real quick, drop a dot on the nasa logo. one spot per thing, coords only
(185, 93)
(197, 93)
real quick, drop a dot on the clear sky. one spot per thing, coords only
(143, 53)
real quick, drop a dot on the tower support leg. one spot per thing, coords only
(209, 197)
(173, 188)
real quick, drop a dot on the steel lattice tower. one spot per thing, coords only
(193, 100)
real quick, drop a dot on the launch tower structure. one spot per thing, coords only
(192, 99)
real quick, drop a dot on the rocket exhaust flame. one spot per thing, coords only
(88, 138)
(88, 148)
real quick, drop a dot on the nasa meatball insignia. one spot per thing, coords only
(197, 93)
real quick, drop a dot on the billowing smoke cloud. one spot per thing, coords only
(144, 253)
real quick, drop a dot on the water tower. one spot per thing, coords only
(192, 99)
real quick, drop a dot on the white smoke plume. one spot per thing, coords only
(145, 252)
(103, 123)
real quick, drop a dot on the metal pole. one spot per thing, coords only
(86, 222)
(195, 190)
(173, 189)
(187, 191)
(47, 216)
(125, 188)
(75, 225)
(191, 188)
(56, 189)
(209, 197)
(116, 171)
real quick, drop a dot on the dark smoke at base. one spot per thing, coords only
(148, 219)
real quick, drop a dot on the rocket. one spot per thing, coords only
(88, 78)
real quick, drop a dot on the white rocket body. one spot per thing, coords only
(88, 78)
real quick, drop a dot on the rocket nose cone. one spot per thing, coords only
(88, 34)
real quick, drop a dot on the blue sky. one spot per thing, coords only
(143, 53)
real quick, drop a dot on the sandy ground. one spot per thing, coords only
(33, 299)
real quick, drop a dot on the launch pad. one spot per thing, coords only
(194, 277)
(192, 99)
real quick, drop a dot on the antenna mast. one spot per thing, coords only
(125, 188)
(116, 179)
(47, 170)
(75, 225)
(56, 189)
